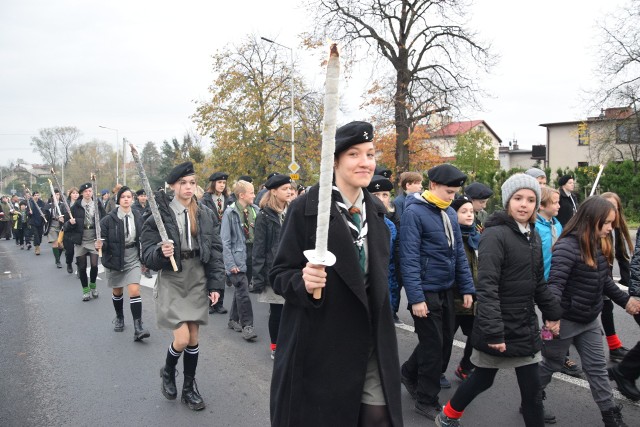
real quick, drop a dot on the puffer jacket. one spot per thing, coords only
(578, 287)
(634, 268)
(427, 262)
(112, 233)
(510, 280)
(543, 228)
(208, 242)
(265, 246)
(74, 231)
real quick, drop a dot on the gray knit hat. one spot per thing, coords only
(535, 172)
(518, 182)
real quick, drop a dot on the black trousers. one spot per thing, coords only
(606, 316)
(38, 230)
(19, 235)
(68, 250)
(435, 338)
(629, 367)
(465, 322)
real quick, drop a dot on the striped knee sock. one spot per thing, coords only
(172, 357)
(136, 306)
(191, 359)
(117, 304)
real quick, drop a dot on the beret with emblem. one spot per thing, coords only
(276, 181)
(383, 171)
(84, 187)
(459, 201)
(379, 183)
(245, 178)
(141, 192)
(123, 189)
(351, 134)
(219, 176)
(447, 174)
(180, 171)
(478, 191)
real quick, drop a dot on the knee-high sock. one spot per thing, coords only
(117, 304)
(136, 306)
(191, 359)
(172, 357)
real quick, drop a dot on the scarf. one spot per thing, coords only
(432, 198)
(442, 205)
(360, 233)
(472, 235)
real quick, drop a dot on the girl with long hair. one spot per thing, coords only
(579, 277)
(72, 196)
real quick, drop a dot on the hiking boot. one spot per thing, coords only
(613, 417)
(37, 250)
(411, 386)
(190, 394)
(168, 376)
(219, 308)
(444, 382)
(69, 268)
(549, 417)
(248, 333)
(118, 324)
(461, 373)
(430, 410)
(626, 386)
(234, 325)
(86, 295)
(618, 354)
(139, 331)
(443, 421)
(571, 368)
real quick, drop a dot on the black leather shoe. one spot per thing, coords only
(219, 308)
(168, 376)
(69, 269)
(430, 411)
(626, 386)
(147, 274)
(118, 324)
(139, 331)
(190, 395)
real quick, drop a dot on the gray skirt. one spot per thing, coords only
(131, 273)
(54, 231)
(181, 296)
(88, 245)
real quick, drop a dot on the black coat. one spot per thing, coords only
(266, 237)
(207, 200)
(112, 233)
(510, 280)
(634, 268)
(323, 345)
(209, 242)
(578, 287)
(74, 231)
(35, 219)
(141, 210)
(567, 207)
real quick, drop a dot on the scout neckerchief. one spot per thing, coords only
(357, 222)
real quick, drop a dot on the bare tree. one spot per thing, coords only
(433, 58)
(54, 144)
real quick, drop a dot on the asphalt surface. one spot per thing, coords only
(63, 365)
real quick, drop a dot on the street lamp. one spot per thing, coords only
(293, 167)
(117, 155)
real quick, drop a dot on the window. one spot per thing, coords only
(583, 164)
(583, 134)
(628, 133)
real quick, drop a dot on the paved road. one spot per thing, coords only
(62, 364)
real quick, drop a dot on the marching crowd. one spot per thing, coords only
(332, 327)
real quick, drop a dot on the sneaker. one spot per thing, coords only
(86, 296)
(463, 374)
(22, 247)
(430, 411)
(147, 274)
(273, 354)
(409, 385)
(234, 325)
(397, 320)
(248, 333)
(571, 368)
(443, 421)
(444, 382)
(94, 293)
(58, 264)
(28, 246)
(618, 354)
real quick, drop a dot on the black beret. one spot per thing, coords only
(22, 203)
(219, 176)
(478, 191)
(84, 187)
(245, 178)
(383, 171)
(272, 174)
(276, 181)
(459, 201)
(182, 170)
(351, 134)
(564, 179)
(447, 174)
(141, 192)
(379, 183)
(120, 191)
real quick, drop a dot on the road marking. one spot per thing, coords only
(558, 375)
(7, 272)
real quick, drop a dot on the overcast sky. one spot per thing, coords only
(138, 65)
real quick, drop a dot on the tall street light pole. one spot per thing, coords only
(293, 167)
(117, 150)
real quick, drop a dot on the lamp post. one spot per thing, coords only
(293, 167)
(117, 155)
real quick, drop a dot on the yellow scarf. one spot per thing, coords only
(432, 198)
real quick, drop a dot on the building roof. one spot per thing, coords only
(617, 113)
(459, 128)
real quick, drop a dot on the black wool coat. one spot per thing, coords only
(209, 242)
(510, 280)
(74, 231)
(324, 345)
(112, 233)
(266, 237)
(566, 211)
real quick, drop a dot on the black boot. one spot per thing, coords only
(190, 395)
(613, 417)
(168, 376)
(118, 323)
(139, 332)
(69, 268)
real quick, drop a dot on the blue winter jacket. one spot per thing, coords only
(543, 228)
(393, 280)
(427, 261)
